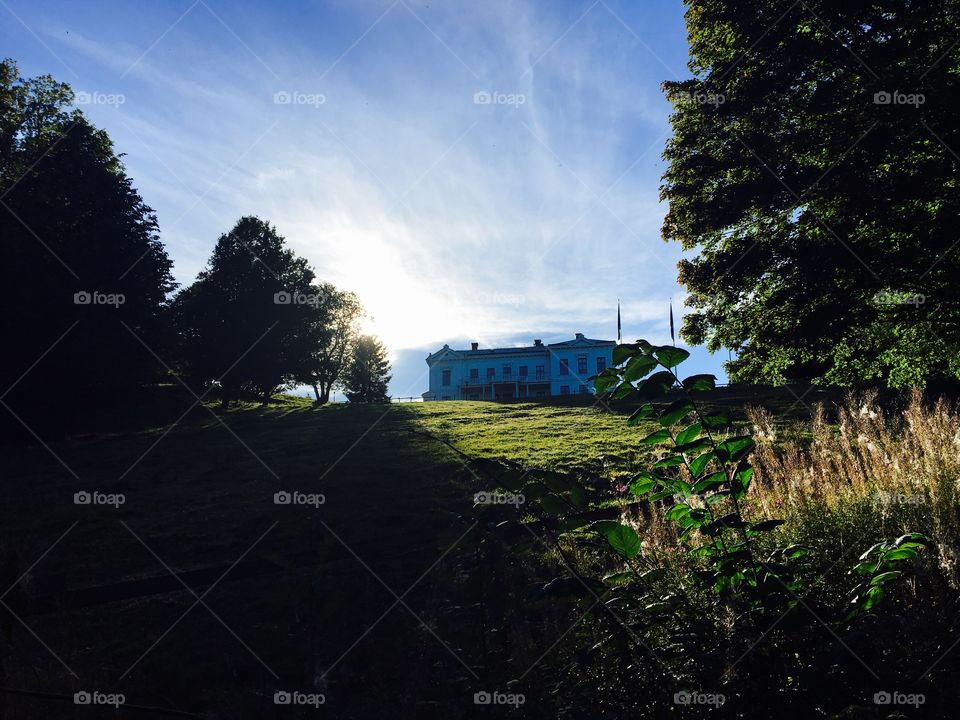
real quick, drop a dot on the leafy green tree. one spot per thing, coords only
(323, 363)
(85, 277)
(813, 176)
(249, 316)
(368, 375)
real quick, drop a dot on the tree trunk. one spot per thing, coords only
(317, 393)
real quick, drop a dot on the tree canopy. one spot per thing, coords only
(813, 176)
(251, 315)
(84, 274)
(333, 333)
(368, 375)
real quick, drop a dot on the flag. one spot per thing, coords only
(672, 338)
(619, 336)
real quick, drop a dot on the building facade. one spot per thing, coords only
(517, 373)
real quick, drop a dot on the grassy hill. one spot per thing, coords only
(307, 583)
(199, 594)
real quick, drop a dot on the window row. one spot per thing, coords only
(524, 370)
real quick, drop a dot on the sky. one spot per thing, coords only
(474, 171)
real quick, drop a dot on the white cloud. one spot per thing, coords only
(449, 219)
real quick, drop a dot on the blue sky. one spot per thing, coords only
(482, 171)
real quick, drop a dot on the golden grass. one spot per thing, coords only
(889, 472)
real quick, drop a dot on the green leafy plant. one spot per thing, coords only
(881, 566)
(704, 475)
(699, 600)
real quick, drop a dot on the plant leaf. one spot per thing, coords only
(621, 392)
(638, 367)
(710, 482)
(700, 383)
(886, 576)
(688, 434)
(716, 420)
(656, 437)
(640, 414)
(734, 448)
(766, 525)
(625, 351)
(656, 384)
(675, 411)
(669, 461)
(700, 462)
(643, 483)
(670, 356)
(624, 540)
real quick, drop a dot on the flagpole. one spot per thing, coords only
(619, 333)
(672, 338)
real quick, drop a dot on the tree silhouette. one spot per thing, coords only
(367, 376)
(813, 170)
(323, 362)
(250, 316)
(84, 274)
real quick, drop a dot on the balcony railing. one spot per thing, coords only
(501, 378)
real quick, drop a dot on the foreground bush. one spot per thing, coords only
(812, 568)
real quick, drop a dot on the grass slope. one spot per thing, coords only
(378, 598)
(199, 495)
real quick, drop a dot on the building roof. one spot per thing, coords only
(578, 342)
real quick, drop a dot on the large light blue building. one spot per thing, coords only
(517, 373)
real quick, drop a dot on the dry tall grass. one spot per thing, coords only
(876, 472)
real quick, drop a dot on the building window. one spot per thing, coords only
(540, 372)
(581, 364)
(507, 371)
(601, 364)
(564, 389)
(582, 389)
(474, 373)
(523, 371)
(564, 367)
(490, 373)
(445, 375)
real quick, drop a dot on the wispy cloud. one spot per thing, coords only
(452, 217)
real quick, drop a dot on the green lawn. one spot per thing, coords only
(200, 495)
(300, 588)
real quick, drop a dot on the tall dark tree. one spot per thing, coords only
(368, 375)
(813, 169)
(248, 318)
(84, 276)
(334, 332)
